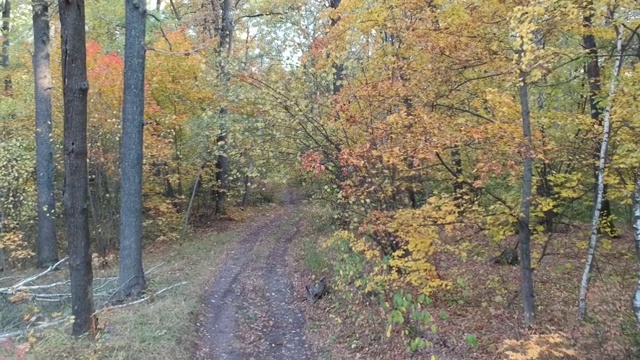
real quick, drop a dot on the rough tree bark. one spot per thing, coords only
(222, 163)
(595, 110)
(131, 277)
(526, 273)
(75, 89)
(595, 223)
(46, 247)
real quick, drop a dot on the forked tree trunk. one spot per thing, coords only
(75, 89)
(46, 247)
(595, 223)
(131, 279)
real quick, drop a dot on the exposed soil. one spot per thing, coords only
(249, 308)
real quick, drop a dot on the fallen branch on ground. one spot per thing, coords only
(141, 300)
(20, 286)
(38, 327)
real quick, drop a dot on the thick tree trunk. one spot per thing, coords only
(131, 276)
(636, 235)
(6, 19)
(75, 89)
(526, 282)
(222, 162)
(595, 223)
(46, 247)
(595, 110)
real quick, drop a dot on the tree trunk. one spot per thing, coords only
(131, 276)
(222, 168)
(222, 163)
(458, 182)
(595, 110)
(526, 282)
(75, 89)
(6, 19)
(46, 247)
(584, 283)
(247, 185)
(338, 69)
(636, 235)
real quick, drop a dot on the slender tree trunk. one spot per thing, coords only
(6, 20)
(131, 276)
(595, 110)
(338, 69)
(524, 233)
(595, 223)
(636, 236)
(75, 89)
(247, 185)
(193, 195)
(458, 185)
(46, 247)
(222, 163)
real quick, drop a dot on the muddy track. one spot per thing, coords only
(248, 310)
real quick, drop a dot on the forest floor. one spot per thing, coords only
(245, 298)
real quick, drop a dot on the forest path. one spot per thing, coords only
(249, 308)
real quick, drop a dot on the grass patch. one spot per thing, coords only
(315, 258)
(309, 250)
(159, 328)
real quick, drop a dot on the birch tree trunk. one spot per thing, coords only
(636, 236)
(75, 90)
(131, 276)
(595, 223)
(46, 247)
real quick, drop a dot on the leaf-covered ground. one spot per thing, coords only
(246, 299)
(480, 317)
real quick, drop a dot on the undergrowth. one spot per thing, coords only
(163, 327)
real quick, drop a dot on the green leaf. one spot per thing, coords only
(472, 340)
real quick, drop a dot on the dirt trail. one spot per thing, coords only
(249, 310)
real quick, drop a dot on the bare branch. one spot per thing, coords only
(20, 285)
(261, 15)
(164, 35)
(39, 327)
(141, 300)
(186, 53)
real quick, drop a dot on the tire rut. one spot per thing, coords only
(248, 308)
